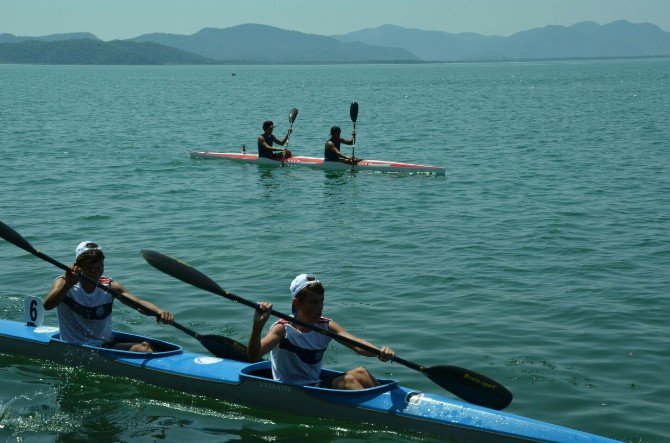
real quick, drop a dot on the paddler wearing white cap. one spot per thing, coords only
(296, 352)
(84, 309)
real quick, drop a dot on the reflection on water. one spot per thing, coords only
(70, 404)
(337, 174)
(266, 172)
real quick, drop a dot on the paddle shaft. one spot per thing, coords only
(293, 113)
(116, 294)
(223, 347)
(458, 377)
(353, 113)
(190, 275)
(318, 329)
(469, 385)
(288, 137)
(130, 301)
(353, 147)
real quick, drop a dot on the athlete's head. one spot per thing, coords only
(303, 286)
(88, 252)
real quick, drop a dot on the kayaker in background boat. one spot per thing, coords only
(296, 352)
(332, 151)
(266, 140)
(84, 310)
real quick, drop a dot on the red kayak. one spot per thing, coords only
(319, 163)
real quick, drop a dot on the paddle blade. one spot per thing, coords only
(292, 115)
(472, 387)
(15, 238)
(181, 271)
(224, 347)
(353, 111)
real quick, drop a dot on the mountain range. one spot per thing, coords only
(581, 40)
(267, 44)
(252, 43)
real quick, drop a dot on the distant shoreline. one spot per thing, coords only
(375, 62)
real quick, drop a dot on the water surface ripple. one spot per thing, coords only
(541, 259)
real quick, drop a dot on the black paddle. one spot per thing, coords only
(353, 113)
(468, 385)
(293, 113)
(219, 346)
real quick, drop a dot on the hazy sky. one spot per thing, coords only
(120, 19)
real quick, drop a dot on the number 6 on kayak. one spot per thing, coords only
(34, 311)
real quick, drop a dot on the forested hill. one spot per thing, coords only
(96, 52)
(253, 43)
(11, 38)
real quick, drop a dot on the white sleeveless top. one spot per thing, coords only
(85, 318)
(297, 358)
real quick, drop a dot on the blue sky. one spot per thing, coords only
(120, 19)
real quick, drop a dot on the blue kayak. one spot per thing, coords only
(388, 405)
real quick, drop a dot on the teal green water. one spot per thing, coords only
(541, 259)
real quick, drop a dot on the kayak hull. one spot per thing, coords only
(388, 405)
(319, 163)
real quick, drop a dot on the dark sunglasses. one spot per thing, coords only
(94, 269)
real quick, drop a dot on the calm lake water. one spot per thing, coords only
(541, 259)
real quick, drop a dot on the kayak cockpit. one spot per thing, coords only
(262, 372)
(163, 348)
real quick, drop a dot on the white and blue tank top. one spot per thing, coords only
(298, 356)
(85, 318)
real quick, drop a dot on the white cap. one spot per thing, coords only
(85, 246)
(302, 280)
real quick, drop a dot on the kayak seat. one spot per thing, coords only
(261, 372)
